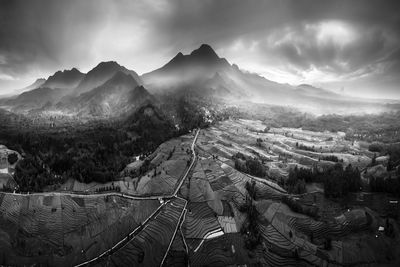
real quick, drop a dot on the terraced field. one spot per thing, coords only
(151, 244)
(204, 226)
(280, 146)
(288, 238)
(225, 250)
(168, 164)
(64, 230)
(177, 254)
(200, 220)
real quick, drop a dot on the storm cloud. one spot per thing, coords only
(333, 44)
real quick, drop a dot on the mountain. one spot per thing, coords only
(44, 93)
(119, 95)
(206, 74)
(102, 73)
(196, 67)
(66, 79)
(110, 89)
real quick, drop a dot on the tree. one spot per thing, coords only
(12, 158)
(373, 161)
(250, 227)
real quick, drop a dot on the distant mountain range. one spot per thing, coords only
(110, 89)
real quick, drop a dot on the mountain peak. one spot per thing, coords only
(103, 72)
(205, 51)
(64, 79)
(107, 64)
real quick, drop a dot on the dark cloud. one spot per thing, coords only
(322, 41)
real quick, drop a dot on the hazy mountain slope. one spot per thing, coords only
(100, 74)
(35, 99)
(38, 83)
(119, 95)
(65, 79)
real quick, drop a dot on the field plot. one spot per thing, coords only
(289, 238)
(344, 224)
(177, 253)
(200, 220)
(228, 224)
(150, 245)
(225, 250)
(282, 148)
(63, 230)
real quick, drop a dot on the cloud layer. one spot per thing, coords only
(335, 44)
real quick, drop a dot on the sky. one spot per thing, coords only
(350, 47)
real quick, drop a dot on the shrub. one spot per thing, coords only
(12, 158)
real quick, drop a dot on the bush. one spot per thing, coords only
(12, 158)
(330, 158)
(304, 147)
(376, 147)
(299, 208)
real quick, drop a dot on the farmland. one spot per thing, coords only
(151, 245)
(68, 228)
(155, 174)
(64, 229)
(217, 192)
(187, 203)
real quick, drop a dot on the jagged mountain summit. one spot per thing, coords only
(196, 67)
(106, 90)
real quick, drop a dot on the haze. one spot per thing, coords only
(350, 47)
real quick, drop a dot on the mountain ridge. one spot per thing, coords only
(202, 71)
(100, 74)
(66, 79)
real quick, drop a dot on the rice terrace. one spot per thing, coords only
(204, 218)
